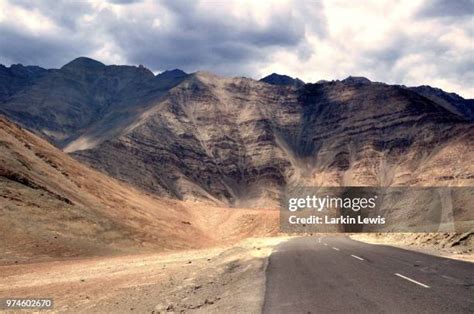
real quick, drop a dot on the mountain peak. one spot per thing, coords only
(279, 79)
(170, 78)
(20, 68)
(356, 80)
(175, 73)
(83, 62)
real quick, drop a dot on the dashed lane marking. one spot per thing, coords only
(412, 280)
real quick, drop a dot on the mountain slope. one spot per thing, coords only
(241, 142)
(450, 101)
(52, 206)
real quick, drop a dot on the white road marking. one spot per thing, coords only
(335, 248)
(325, 244)
(319, 240)
(414, 281)
(359, 258)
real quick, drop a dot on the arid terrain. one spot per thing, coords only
(121, 190)
(93, 243)
(221, 279)
(52, 207)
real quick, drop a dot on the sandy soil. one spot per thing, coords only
(216, 280)
(449, 245)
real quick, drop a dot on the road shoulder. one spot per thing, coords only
(432, 244)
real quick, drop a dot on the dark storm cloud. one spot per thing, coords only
(192, 39)
(29, 46)
(447, 8)
(189, 35)
(29, 49)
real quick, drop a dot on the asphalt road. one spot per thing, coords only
(334, 274)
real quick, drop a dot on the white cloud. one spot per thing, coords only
(388, 41)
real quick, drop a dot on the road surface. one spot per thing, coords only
(334, 274)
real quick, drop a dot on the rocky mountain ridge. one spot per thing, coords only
(85, 97)
(17, 77)
(241, 141)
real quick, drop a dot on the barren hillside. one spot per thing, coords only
(242, 142)
(52, 206)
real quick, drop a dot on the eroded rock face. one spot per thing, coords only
(242, 141)
(210, 137)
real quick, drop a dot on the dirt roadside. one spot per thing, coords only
(449, 245)
(217, 280)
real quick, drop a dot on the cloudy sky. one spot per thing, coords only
(409, 42)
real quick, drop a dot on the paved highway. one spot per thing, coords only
(334, 274)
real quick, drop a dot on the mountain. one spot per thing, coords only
(278, 79)
(241, 142)
(86, 98)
